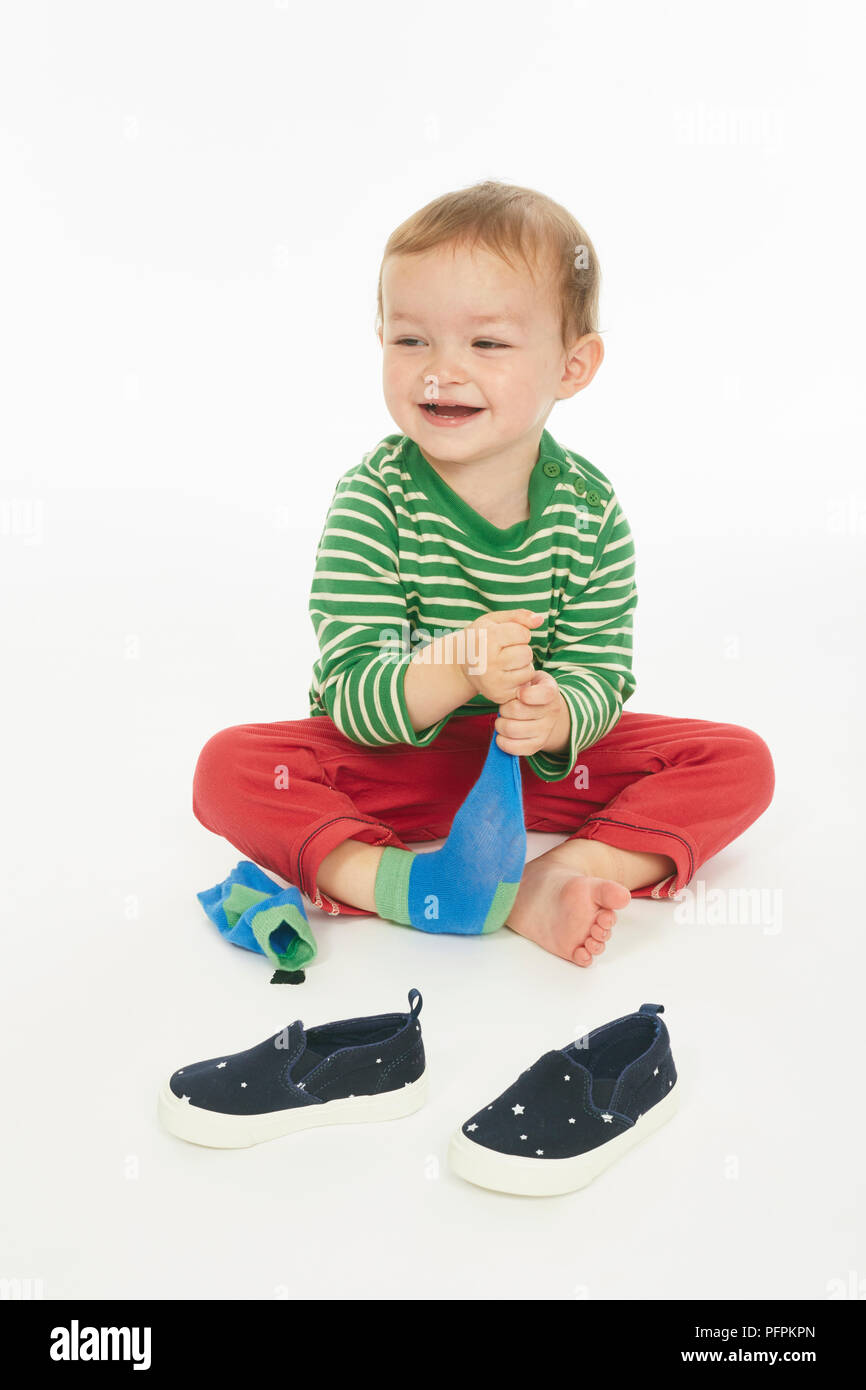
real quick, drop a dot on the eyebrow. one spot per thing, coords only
(505, 317)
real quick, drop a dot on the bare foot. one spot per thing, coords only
(566, 910)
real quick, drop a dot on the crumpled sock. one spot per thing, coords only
(252, 911)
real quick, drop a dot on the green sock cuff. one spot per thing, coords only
(301, 948)
(391, 890)
(239, 898)
(503, 901)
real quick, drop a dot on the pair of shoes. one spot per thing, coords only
(563, 1121)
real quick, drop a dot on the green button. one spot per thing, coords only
(551, 469)
(593, 498)
(580, 487)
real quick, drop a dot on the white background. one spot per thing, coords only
(196, 199)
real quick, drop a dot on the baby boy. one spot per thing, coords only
(473, 597)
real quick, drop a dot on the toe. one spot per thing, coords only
(594, 947)
(605, 918)
(612, 895)
(599, 932)
(581, 956)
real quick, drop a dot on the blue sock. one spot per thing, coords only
(469, 885)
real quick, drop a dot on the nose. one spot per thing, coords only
(446, 368)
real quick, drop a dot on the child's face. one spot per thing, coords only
(488, 336)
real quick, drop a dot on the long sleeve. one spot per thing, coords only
(359, 611)
(590, 654)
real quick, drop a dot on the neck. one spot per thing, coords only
(496, 486)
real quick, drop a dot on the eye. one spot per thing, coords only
(488, 343)
(406, 342)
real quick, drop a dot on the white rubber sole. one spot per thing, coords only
(550, 1177)
(217, 1131)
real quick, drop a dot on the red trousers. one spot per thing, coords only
(286, 794)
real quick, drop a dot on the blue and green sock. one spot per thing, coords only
(469, 885)
(254, 912)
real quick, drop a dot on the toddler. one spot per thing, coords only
(475, 581)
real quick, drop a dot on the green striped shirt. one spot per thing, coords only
(403, 559)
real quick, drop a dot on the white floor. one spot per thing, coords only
(114, 977)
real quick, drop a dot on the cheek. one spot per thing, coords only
(390, 379)
(515, 393)
(396, 375)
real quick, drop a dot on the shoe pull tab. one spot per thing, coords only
(651, 1009)
(415, 1002)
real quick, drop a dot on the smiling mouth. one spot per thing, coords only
(451, 412)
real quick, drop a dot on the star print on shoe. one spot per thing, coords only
(299, 1078)
(623, 1079)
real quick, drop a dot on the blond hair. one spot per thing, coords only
(508, 220)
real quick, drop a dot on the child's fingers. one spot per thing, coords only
(541, 690)
(517, 730)
(516, 615)
(517, 658)
(520, 747)
(512, 680)
(511, 635)
(516, 709)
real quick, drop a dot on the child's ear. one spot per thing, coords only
(583, 360)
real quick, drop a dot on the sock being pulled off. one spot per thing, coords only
(469, 885)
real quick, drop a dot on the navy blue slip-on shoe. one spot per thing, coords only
(337, 1073)
(573, 1112)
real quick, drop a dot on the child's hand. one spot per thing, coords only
(538, 718)
(498, 656)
